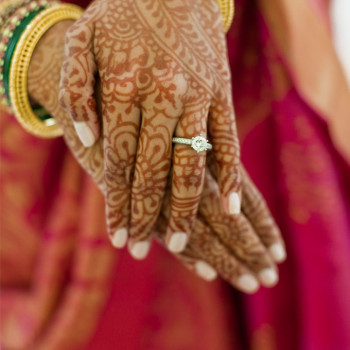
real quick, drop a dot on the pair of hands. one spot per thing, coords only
(163, 71)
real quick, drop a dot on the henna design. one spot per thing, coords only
(211, 245)
(234, 234)
(256, 210)
(163, 69)
(237, 232)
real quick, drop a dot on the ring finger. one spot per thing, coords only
(188, 177)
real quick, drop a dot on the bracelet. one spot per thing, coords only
(8, 8)
(227, 9)
(47, 127)
(10, 36)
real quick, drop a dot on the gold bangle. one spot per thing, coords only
(20, 65)
(227, 9)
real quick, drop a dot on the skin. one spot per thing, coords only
(232, 246)
(164, 72)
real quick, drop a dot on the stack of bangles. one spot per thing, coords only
(22, 24)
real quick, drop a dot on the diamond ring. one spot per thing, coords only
(198, 143)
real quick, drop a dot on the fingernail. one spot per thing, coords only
(205, 271)
(268, 277)
(278, 252)
(85, 133)
(177, 242)
(248, 283)
(234, 203)
(120, 237)
(140, 250)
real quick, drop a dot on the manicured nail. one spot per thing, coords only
(205, 271)
(85, 133)
(140, 250)
(234, 203)
(248, 283)
(268, 277)
(177, 242)
(278, 252)
(120, 237)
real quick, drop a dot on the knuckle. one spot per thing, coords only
(116, 168)
(143, 180)
(180, 84)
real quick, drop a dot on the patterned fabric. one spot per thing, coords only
(64, 287)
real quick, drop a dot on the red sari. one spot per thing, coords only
(64, 287)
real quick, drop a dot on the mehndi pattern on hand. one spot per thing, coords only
(164, 72)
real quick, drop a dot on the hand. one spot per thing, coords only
(163, 70)
(242, 249)
(239, 248)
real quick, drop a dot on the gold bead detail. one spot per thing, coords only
(227, 9)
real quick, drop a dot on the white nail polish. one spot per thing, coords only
(205, 271)
(85, 133)
(248, 283)
(177, 242)
(140, 250)
(119, 238)
(234, 203)
(268, 277)
(278, 252)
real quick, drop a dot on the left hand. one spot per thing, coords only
(164, 72)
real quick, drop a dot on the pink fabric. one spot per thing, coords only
(287, 150)
(157, 304)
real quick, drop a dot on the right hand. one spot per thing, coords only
(243, 249)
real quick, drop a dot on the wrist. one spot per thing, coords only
(45, 70)
(45, 67)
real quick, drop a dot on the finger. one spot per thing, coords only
(237, 234)
(152, 167)
(256, 210)
(160, 92)
(78, 82)
(189, 258)
(209, 248)
(121, 131)
(188, 177)
(223, 135)
(197, 265)
(192, 260)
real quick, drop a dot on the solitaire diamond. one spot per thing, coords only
(200, 144)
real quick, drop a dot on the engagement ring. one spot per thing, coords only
(198, 143)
